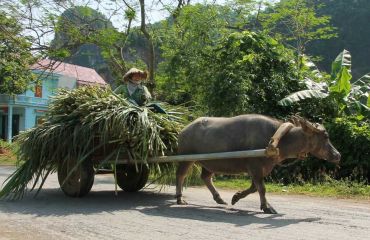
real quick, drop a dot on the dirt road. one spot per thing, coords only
(153, 215)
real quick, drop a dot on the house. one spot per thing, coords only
(24, 111)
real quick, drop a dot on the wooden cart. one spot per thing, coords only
(130, 177)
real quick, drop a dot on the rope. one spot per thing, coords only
(272, 150)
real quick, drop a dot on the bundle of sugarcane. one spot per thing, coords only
(75, 118)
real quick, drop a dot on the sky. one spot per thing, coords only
(156, 10)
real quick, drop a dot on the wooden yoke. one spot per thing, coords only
(272, 150)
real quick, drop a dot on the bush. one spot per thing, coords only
(352, 139)
(8, 153)
(6, 146)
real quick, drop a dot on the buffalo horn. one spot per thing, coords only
(309, 125)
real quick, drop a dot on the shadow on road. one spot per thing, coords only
(52, 202)
(223, 214)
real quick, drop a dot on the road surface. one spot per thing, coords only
(153, 215)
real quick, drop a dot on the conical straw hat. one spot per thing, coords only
(129, 73)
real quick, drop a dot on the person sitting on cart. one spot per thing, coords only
(133, 90)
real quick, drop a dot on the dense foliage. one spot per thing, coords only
(348, 97)
(187, 46)
(297, 23)
(15, 57)
(352, 137)
(250, 71)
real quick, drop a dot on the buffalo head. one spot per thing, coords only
(319, 142)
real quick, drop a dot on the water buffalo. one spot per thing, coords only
(247, 132)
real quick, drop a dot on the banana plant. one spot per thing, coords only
(352, 98)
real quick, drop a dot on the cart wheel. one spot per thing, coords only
(79, 182)
(131, 180)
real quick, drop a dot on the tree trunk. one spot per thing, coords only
(151, 84)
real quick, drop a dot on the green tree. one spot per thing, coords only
(15, 57)
(85, 37)
(250, 73)
(296, 23)
(351, 18)
(81, 32)
(186, 46)
(247, 13)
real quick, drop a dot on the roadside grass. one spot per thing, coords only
(329, 188)
(7, 160)
(7, 153)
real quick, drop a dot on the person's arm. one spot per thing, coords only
(119, 89)
(147, 94)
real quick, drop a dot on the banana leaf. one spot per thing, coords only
(343, 60)
(300, 95)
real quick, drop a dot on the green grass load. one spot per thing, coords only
(81, 121)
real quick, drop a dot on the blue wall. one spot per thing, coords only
(29, 107)
(49, 85)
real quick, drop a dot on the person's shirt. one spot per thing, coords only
(136, 93)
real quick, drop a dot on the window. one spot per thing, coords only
(38, 91)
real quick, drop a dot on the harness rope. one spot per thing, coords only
(273, 151)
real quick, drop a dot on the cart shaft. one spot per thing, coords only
(202, 157)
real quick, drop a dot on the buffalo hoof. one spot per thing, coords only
(219, 200)
(181, 202)
(269, 210)
(235, 198)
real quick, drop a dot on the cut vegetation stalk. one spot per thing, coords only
(84, 121)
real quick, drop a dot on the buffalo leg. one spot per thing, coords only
(181, 172)
(207, 178)
(242, 194)
(265, 206)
